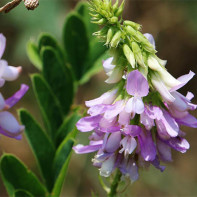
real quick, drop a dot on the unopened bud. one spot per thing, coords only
(100, 22)
(110, 34)
(115, 6)
(132, 24)
(138, 54)
(116, 39)
(120, 9)
(130, 30)
(167, 78)
(129, 55)
(113, 20)
(31, 4)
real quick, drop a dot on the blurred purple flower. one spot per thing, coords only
(9, 126)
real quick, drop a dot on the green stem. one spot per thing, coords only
(114, 185)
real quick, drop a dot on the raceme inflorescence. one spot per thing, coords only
(138, 121)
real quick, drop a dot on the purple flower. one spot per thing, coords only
(7, 73)
(9, 126)
(137, 86)
(134, 127)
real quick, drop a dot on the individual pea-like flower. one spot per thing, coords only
(9, 126)
(137, 124)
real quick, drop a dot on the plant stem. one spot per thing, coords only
(114, 185)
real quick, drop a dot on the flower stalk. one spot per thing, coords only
(114, 185)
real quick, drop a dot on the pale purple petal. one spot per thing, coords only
(2, 44)
(138, 105)
(124, 117)
(9, 124)
(107, 65)
(161, 88)
(129, 169)
(128, 145)
(3, 65)
(17, 96)
(88, 123)
(2, 82)
(157, 165)
(188, 120)
(107, 166)
(81, 149)
(114, 110)
(113, 142)
(136, 84)
(147, 146)
(150, 39)
(132, 130)
(170, 124)
(115, 76)
(98, 109)
(184, 80)
(164, 150)
(11, 73)
(106, 98)
(2, 102)
(161, 130)
(179, 144)
(189, 96)
(104, 123)
(146, 121)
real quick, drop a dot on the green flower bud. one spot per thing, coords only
(102, 32)
(110, 34)
(130, 30)
(116, 39)
(113, 20)
(138, 54)
(129, 55)
(132, 24)
(100, 22)
(115, 6)
(120, 9)
(104, 13)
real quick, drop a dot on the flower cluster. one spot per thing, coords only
(137, 123)
(9, 126)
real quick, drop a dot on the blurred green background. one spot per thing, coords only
(173, 23)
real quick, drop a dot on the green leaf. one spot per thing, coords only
(76, 43)
(67, 126)
(42, 147)
(22, 193)
(33, 54)
(46, 39)
(49, 105)
(15, 176)
(83, 10)
(59, 77)
(61, 162)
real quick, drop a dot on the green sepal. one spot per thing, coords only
(42, 147)
(16, 176)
